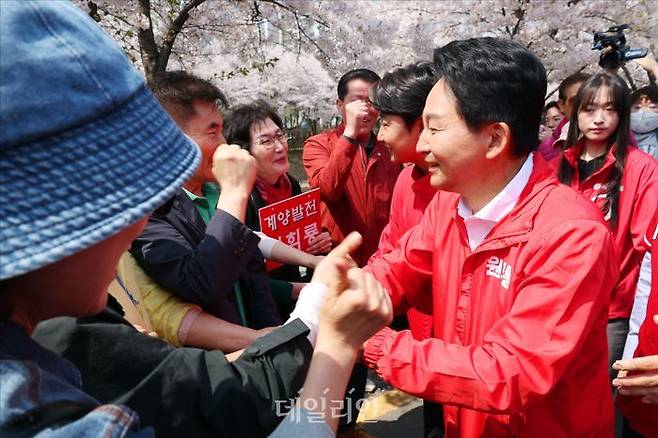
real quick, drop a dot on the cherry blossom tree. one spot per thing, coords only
(293, 51)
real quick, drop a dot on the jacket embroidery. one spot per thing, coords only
(498, 268)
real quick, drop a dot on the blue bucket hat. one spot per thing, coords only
(85, 149)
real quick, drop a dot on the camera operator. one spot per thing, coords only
(614, 50)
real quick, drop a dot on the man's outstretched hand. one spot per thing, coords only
(356, 306)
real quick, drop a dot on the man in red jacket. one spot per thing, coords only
(400, 98)
(352, 169)
(516, 269)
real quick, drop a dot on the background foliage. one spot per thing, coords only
(291, 52)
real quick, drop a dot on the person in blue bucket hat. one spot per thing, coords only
(86, 153)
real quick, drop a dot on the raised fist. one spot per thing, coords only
(234, 169)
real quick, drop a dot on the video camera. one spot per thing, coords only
(615, 50)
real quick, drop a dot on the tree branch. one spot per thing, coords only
(519, 13)
(558, 87)
(106, 11)
(295, 12)
(93, 11)
(301, 31)
(603, 17)
(217, 27)
(172, 32)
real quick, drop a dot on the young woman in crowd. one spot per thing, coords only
(601, 163)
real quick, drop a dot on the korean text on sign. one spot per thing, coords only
(295, 221)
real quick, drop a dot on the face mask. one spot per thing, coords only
(644, 121)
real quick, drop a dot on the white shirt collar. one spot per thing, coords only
(479, 224)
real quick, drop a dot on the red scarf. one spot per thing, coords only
(281, 190)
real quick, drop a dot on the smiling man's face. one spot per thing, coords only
(455, 155)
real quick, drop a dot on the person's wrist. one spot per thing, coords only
(334, 342)
(350, 131)
(310, 261)
(351, 139)
(234, 204)
(308, 306)
(232, 195)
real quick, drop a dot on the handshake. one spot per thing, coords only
(343, 305)
(355, 305)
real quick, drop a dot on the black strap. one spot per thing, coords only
(30, 423)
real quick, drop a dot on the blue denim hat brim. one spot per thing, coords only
(71, 190)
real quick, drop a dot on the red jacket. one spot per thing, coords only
(355, 189)
(643, 416)
(637, 204)
(411, 195)
(520, 323)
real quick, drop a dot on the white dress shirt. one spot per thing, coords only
(479, 224)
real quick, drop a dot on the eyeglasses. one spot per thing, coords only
(270, 142)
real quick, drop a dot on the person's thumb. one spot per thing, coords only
(350, 244)
(340, 257)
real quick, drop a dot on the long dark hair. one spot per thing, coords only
(621, 104)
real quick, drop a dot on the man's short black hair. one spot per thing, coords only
(403, 91)
(177, 91)
(569, 81)
(359, 73)
(551, 104)
(651, 91)
(495, 80)
(238, 122)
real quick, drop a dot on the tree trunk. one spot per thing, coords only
(148, 49)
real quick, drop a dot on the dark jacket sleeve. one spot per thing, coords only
(204, 273)
(296, 187)
(262, 307)
(184, 391)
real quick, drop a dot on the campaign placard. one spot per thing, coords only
(294, 221)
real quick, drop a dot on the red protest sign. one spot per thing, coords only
(294, 221)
